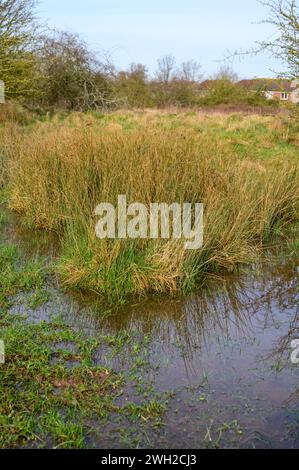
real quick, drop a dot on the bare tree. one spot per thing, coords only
(166, 67)
(226, 73)
(72, 77)
(284, 16)
(190, 71)
(16, 18)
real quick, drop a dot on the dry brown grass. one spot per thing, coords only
(60, 171)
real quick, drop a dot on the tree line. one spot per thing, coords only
(55, 70)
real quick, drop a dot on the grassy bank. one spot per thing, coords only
(244, 169)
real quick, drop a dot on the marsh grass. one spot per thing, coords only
(51, 386)
(243, 169)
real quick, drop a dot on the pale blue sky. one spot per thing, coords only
(142, 31)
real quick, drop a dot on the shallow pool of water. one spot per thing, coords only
(218, 362)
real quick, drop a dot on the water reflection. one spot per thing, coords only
(224, 353)
(231, 343)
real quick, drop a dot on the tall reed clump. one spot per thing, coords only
(59, 173)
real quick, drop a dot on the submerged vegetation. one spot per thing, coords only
(33, 390)
(71, 382)
(244, 169)
(54, 392)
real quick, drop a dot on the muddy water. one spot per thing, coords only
(225, 356)
(218, 362)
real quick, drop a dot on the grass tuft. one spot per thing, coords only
(243, 168)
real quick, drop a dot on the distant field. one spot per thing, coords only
(244, 168)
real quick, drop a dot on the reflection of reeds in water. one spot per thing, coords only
(33, 243)
(232, 308)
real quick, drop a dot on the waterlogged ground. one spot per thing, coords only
(213, 370)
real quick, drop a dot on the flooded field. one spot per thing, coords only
(213, 370)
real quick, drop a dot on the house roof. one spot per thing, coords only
(258, 84)
(267, 84)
